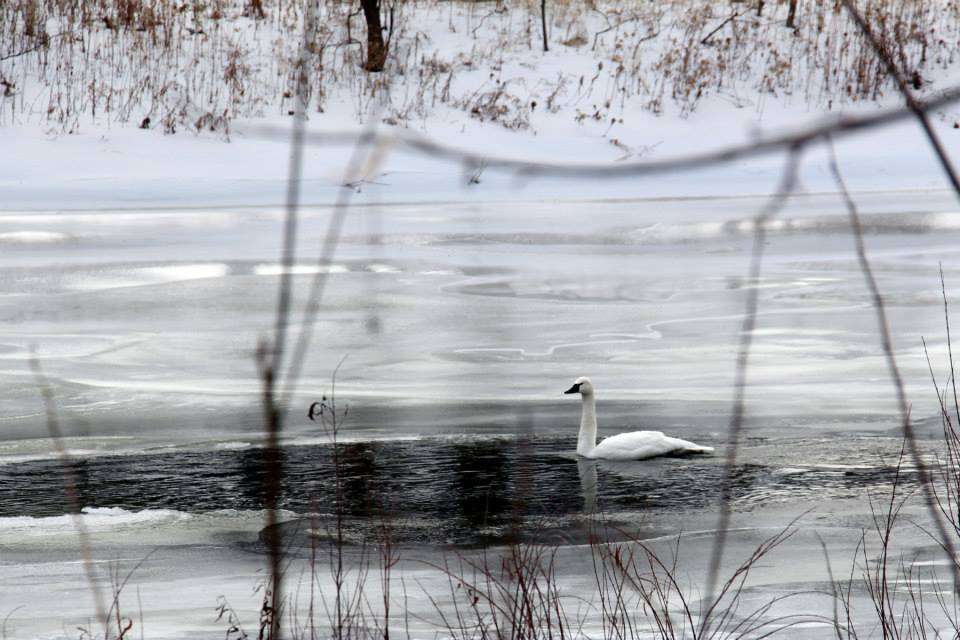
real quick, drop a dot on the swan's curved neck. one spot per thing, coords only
(587, 441)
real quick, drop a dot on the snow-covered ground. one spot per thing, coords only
(621, 82)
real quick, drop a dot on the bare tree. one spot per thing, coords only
(376, 47)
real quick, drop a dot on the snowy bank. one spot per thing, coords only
(164, 112)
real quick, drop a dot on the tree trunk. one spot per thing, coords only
(792, 14)
(376, 47)
(543, 23)
(255, 10)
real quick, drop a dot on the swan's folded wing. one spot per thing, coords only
(638, 445)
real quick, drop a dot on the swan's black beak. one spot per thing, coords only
(574, 389)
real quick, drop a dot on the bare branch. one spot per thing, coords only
(359, 158)
(886, 340)
(270, 359)
(69, 486)
(913, 104)
(43, 42)
(771, 209)
(838, 126)
(733, 16)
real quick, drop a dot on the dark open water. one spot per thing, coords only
(457, 491)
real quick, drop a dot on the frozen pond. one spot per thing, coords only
(461, 325)
(147, 320)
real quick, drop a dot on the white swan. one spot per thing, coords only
(635, 445)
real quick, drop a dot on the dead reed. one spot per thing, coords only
(200, 66)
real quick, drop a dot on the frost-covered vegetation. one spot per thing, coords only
(173, 65)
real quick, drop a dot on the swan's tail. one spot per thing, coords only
(692, 447)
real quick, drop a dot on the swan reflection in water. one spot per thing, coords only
(587, 470)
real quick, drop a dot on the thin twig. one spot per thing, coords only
(69, 487)
(886, 340)
(360, 157)
(650, 36)
(294, 178)
(492, 12)
(44, 42)
(733, 16)
(6, 619)
(772, 207)
(833, 586)
(835, 127)
(270, 363)
(122, 584)
(913, 105)
(946, 320)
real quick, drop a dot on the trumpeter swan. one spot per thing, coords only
(635, 445)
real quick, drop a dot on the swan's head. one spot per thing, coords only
(581, 385)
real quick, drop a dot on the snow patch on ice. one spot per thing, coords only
(231, 446)
(145, 276)
(94, 519)
(298, 269)
(382, 268)
(34, 237)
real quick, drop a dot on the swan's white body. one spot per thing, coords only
(636, 445)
